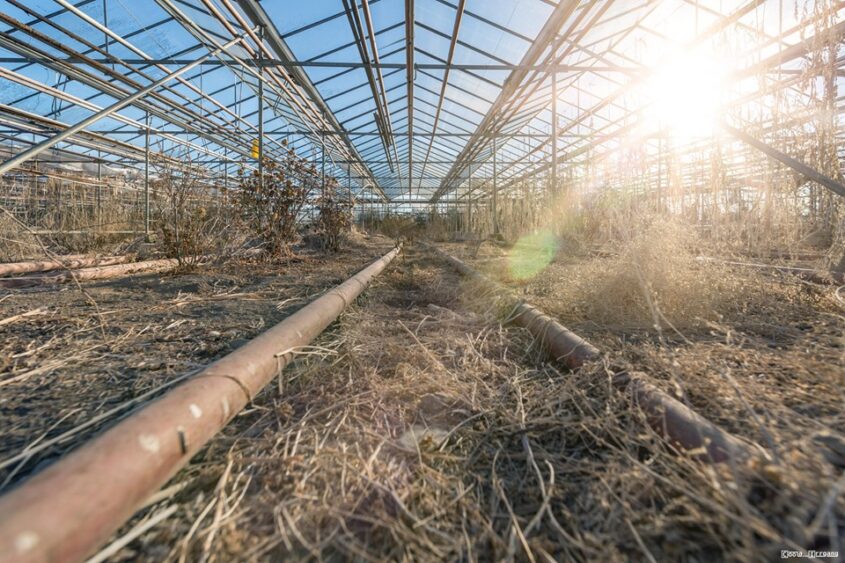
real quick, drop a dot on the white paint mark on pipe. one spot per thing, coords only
(26, 542)
(149, 442)
(196, 411)
(225, 402)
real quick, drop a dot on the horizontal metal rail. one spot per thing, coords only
(351, 65)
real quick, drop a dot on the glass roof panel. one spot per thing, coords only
(321, 86)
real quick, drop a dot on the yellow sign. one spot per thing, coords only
(255, 152)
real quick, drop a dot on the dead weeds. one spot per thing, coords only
(418, 428)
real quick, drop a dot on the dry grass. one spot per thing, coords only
(654, 280)
(418, 429)
(72, 213)
(15, 242)
(760, 355)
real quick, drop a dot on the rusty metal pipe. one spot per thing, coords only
(115, 271)
(69, 509)
(70, 262)
(561, 343)
(679, 425)
(87, 274)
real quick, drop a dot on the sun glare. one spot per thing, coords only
(685, 96)
(531, 254)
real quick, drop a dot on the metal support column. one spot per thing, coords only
(35, 188)
(555, 189)
(409, 78)
(147, 179)
(261, 109)
(458, 218)
(106, 24)
(469, 201)
(98, 215)
(349, 188)
(495, 191)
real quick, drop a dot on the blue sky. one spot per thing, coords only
(491, 32)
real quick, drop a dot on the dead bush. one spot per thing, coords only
(192, 218)
(334, 219)
(271, 208)
(651, 279)
(656, 280)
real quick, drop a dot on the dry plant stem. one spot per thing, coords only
(15, 470)
(32, 313)
(142, 528)
(57, 259)
(50, 366)
(165, 493)
(186, 541)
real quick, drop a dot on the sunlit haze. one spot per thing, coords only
(685, 96)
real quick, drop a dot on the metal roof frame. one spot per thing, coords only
(406, 99)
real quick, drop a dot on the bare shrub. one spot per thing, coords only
(656, 279)
(334, 219)
(271, 208)
(651, 279)
(192, 218)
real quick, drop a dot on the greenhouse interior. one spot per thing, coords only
(422, 280)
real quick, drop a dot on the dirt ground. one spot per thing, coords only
(772, 343)
(91, 351)
(763, 357)
(419, 428)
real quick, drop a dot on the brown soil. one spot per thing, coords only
(767, 341)
(418, 428)
(90, 351)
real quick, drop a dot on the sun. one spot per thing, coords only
(684, 96)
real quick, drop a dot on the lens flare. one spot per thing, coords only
(531, 254)
(686, 95)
